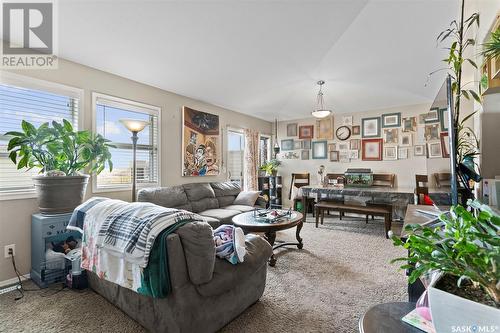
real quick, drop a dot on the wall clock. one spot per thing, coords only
(343, 133)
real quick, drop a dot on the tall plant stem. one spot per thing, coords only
(459, 74)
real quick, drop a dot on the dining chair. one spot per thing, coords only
(422, 187)
(299, 180)
(443, 179)
(381, 180)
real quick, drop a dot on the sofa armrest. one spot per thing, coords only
(228, 276)
(176, 262)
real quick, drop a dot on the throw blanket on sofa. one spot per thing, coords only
(119, 239)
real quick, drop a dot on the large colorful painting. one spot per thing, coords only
(200, 143)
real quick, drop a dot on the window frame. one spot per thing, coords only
(155, 110)
(27, 82)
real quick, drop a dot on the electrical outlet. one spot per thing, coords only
(7, 248)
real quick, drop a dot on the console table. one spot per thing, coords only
(386, 318)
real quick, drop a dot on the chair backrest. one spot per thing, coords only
(301, 179)
(443, 179)
(384, 179)
(335, 176)
(422, 186)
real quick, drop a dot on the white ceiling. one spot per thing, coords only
(263, 58)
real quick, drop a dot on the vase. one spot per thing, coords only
(452, 313)
(58, 195)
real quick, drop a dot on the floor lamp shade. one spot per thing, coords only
(134, 125)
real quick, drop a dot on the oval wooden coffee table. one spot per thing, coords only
(251, 222)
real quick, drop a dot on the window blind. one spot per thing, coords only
(36, 107)
(107, 121)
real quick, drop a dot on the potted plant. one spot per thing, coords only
(60, 153)
(466, 250)
(271, 167)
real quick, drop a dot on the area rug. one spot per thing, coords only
(343, 270)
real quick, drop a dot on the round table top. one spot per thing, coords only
(386, 318)
(249, 222)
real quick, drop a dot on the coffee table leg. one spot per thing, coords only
(297, 235)
(271, 237)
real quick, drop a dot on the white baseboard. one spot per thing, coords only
(14, 280)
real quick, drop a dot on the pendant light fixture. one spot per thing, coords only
(320, 111)
(276, 148)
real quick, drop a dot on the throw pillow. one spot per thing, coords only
(246, 198)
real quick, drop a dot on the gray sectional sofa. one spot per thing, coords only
(207, 292)
(214, 201)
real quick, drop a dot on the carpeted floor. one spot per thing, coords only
(342, 270)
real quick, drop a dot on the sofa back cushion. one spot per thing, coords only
(226, 192)
(171, 197)
(201, 196)
(199, 250)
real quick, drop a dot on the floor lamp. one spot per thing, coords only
(134, 126)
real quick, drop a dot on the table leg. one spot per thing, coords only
(271, 237)
(300, 245)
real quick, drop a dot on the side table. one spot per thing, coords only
(386, 318)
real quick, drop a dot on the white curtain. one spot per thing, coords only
(251, 156)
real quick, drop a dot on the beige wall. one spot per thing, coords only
(15, 215)
(405, 170)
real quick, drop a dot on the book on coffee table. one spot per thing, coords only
(414, 319)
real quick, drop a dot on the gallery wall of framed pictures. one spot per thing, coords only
(389, 136)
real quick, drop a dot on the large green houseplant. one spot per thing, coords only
(60, 153)
(466, 249)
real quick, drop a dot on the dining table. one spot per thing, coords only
(398, 197)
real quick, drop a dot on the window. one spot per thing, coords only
(235, 149)
(108, 112)
(37, 102)
(264, 149)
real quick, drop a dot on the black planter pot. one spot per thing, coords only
(58, 195)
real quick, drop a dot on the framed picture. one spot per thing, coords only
(432, 116)
(402, 153)
(304, 154)
(306, 144)
(434, 149)
(331, 147)
(356, 130)
(409, 124)
(343, 146)
(324, 128)
(200, 143)
(344, 156)
(291, 129)
(421, 135)
(443, 119)
(355, 144)
(297, 144)
(391, 136)
(432, 132)
(421, 118)
(353, 154)
(306, 132)
(391, 119)
(334, 156)
(370, 127)
(445, 144)
(371, 150)
(419, 150)
(347, 120)
(406, 139)
(291, 155)
(287, 144)
(319, 150)
(390, 153)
